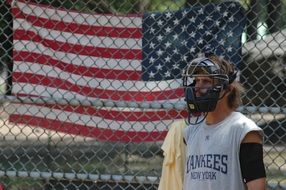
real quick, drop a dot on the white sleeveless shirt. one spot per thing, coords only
(212, 160)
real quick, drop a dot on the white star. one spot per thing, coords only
(229, 34)
(201, 11)
(151, 60)
(151, 74)
(175, 36)
(223, 27)
(168, 15)
(168, 29)
(217, 23)
(209, 17)
(167, 59)
(184, 58)
(183, 28)
(192, 34)
(208, 33)
(152, 30)
(218, 8)
(159, 52)
(232, 5)
(231, 19)
(221, 42)
(176, 66)
(153, 15)
(184, 42)
(192, 50)
(225, 14)
(159, 67)
(152, 45)
(175, 51)
(192, 19)
(201, 26)
(229, 49)
(176, 21)
(167, 44)
(184, 13)
(160, 37)
(160, 22)
(167, 74)
(208, 46)
(200, 41)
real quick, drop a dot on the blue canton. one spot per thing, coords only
(172, 39)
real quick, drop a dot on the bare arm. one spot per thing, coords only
(257, 184)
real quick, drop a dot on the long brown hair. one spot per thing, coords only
(234, 99)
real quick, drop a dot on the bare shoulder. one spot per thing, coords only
(252, 137)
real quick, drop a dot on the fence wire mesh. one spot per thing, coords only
(81, 110)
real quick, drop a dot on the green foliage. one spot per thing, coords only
(22, 183)
(5, 36)
(115, 6)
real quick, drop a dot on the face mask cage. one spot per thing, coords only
(203, 82)
(203, 99)
(204, 67)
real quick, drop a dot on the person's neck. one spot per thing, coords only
(218, 115)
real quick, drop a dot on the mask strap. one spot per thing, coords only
(194, 119)
(232, 77)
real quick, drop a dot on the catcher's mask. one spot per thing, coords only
(203, 82)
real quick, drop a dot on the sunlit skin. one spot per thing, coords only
(222, 111)
(202, 84)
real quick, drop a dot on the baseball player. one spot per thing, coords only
(224, 147)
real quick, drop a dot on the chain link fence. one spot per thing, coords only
(80, 109)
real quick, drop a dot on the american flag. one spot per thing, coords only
(66, 54)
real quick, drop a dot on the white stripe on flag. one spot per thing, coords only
(77, 59)
(80, 18)
(79, 39)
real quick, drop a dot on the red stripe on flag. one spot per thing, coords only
(98, 133)
(9, 1)
(76, 69)
(120, 115)
(95, 92)
(114, 53)
(79, 28)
